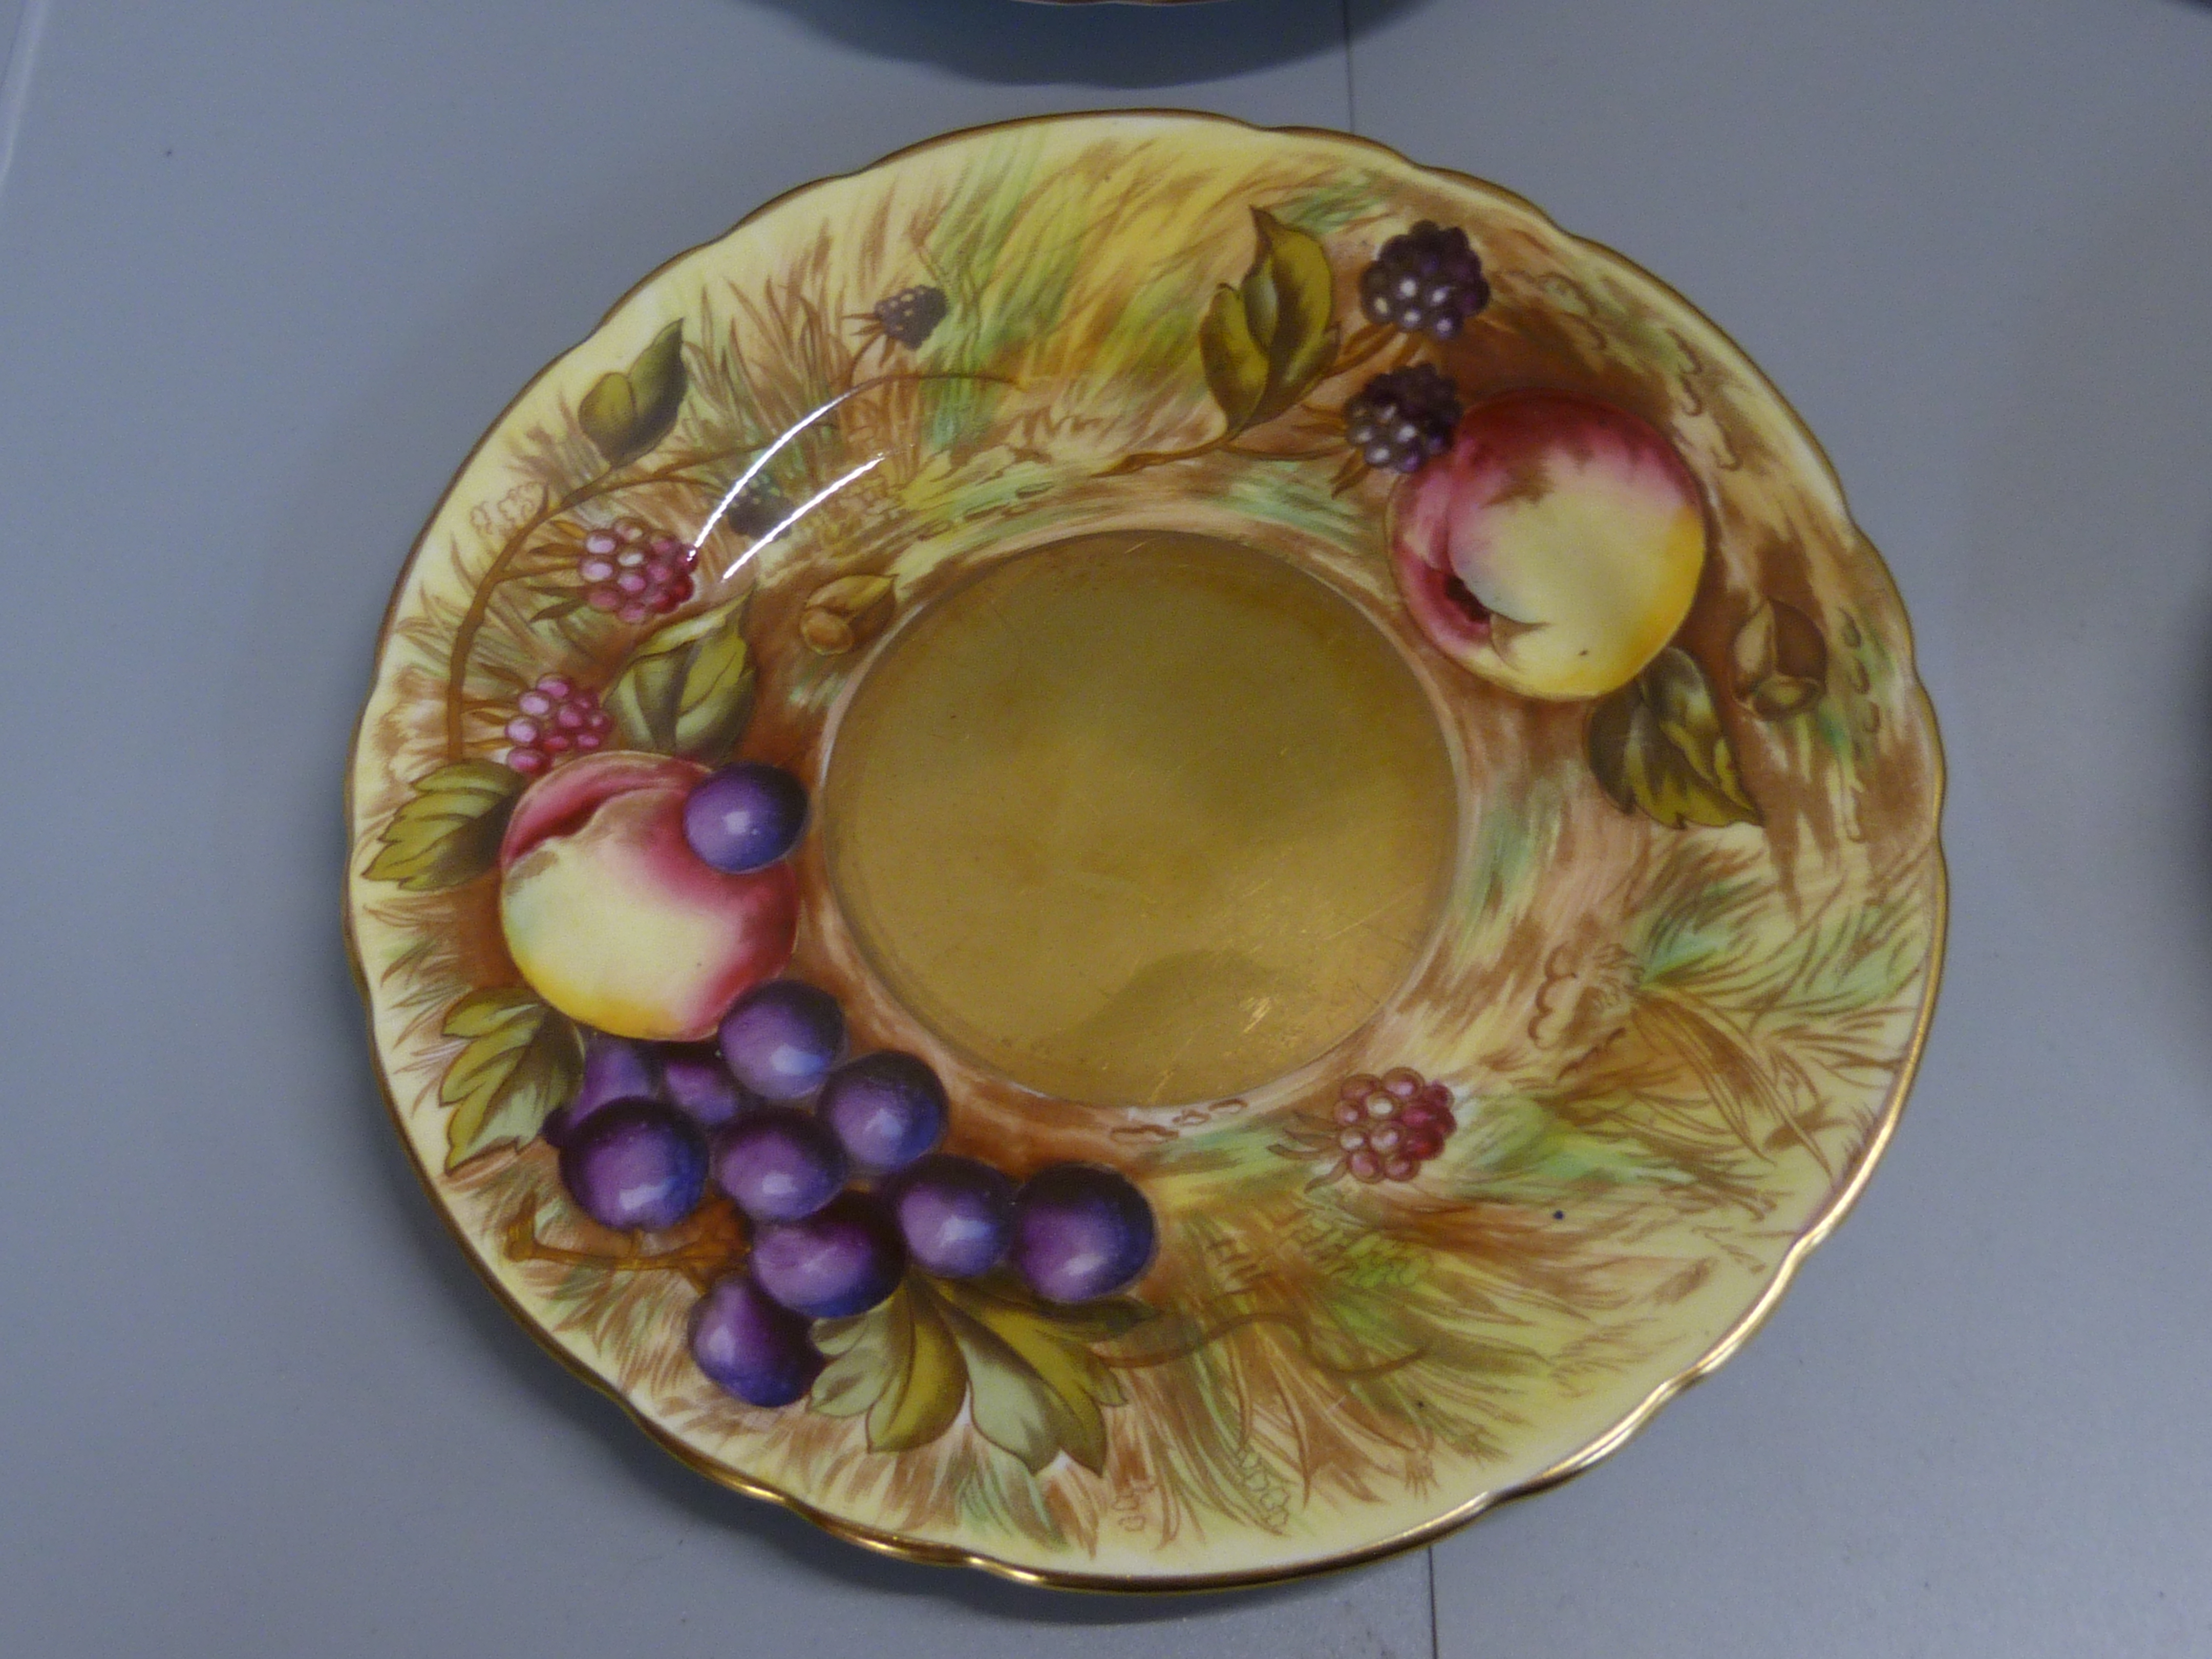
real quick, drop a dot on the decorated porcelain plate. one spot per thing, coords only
(1148, 853)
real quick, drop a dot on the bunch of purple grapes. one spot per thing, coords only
(835, 1163)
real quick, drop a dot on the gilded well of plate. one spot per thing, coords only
(1140, 817)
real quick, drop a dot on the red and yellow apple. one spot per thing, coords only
(615, 921)
(1555, 549)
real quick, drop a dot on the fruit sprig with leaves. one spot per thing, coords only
(576, 559)
(1267, 342)
(841, 1257)
(1548, 542)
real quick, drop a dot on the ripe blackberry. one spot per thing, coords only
(634, 575)
(911, 315)
(1403, 419)
(553, 719)
(758, 508)
(1427, 281)
(1388, 1126)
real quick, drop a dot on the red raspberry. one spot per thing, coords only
(635, 575)
(1388, 1127)
(553, 719)
(1422, 1144)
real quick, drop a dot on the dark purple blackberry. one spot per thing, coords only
(1401, 419)
(757, 509)
(1428, 281)
(911, 315)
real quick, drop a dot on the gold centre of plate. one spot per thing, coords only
(1141, 819)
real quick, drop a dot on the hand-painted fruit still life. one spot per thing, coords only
(1146, 853)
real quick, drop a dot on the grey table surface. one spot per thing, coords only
(267, 268)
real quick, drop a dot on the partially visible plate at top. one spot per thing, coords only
(1146, 853)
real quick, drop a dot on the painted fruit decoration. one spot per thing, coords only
(613, 917)
(1554, 549)
(800, 1187)
(851, 1241)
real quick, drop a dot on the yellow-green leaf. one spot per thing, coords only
(1657, 746)
(658, 383)
(689, 689)
(845, 611)
(1011, 1405)
(449, 832)
(625, 413)
(521, 1061)
(1235, 366)
(608, 413)
(927, 1380)
(1055, 1354)
(1290, 303)
(1078, 1382)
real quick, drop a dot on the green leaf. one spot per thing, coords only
(1290, 304)
(927, 1380)
(689, 689)
(859, 1367)
(1033, 1387)
(1656, 745)
(449, 833)
(624, 415)
(1235, 366)
(522, 1061)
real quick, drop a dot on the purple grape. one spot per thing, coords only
(781, 1038)
(745, 817)
(886, 1108)
(843, 1259)
(956, 1215)
(780, 1163)
(1081, 1230)
(615, 1068)
(694, 1079)
(750, 1347)
(637, 1163)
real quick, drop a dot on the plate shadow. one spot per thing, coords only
(1126, 46)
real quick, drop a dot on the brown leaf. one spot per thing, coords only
(1779, 661)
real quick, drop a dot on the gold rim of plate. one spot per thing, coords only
(1737, 929)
